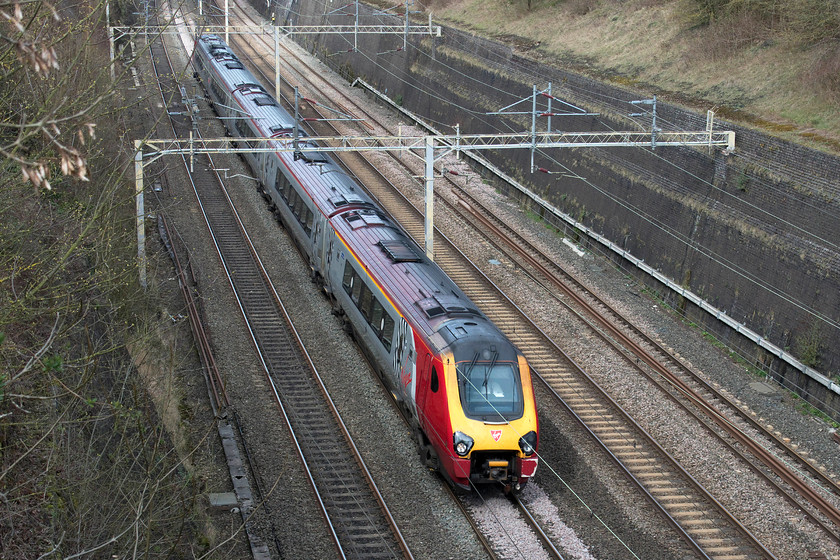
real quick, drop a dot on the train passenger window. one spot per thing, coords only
(217, 91)
(347, 282)
(369, 305)
(278, 181)
(435, 383)
(387, 332)
(240, 127)
(310, 220)
(365, 301)
(298, 205)
(376, 317)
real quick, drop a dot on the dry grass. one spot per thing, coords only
(750, 67)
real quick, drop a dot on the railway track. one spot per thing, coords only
(676, 379)
(352, 506)
(715, 530)
(693, 511)
(541, 539)
(227, 421)
(743, 433)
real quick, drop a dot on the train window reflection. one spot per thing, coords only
(489, 390)
(365, 301)
(387, 332)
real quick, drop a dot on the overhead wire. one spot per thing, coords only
(565, 483)
(490, 123)
(495, 124)
(714, 256)
(816, 208)
(705, 251)
(548, 466)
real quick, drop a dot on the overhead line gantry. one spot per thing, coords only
(432, 148)
(118, 31)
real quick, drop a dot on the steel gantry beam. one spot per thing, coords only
(116, 32)
(451, 142)
(430, 148)
(154, 30)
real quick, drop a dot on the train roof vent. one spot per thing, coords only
(431, 307)
(457, 331)
(216, 46)
(399, 250)
(346, 198)
(281, 130)
(361, 218)
(264, 101)
(234, 65)
(441, 304)
(247, 88)
(310, 155)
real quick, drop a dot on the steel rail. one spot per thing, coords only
(535, 525)
(339, 540)
(776, 465)
(743, 529)
(219, 400)
(476, 529)
(621, 341)
(698, 547)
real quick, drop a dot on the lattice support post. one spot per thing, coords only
(430, 194)
(276, 62)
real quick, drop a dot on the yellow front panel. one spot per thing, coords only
(502, 437)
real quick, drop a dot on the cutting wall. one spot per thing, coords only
(755, 233)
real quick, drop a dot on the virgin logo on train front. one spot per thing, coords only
(497, 434)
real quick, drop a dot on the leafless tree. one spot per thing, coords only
(87, 469)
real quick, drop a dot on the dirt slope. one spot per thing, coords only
(749, 71)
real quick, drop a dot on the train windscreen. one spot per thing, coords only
(490, 390)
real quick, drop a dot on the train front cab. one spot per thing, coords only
(492, 436)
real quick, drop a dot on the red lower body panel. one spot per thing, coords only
(527, 467)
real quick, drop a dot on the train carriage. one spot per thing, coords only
(465, 388)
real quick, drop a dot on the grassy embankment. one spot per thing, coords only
(771, 65)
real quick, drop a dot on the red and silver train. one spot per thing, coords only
(465, 387)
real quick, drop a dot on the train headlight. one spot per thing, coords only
(528, 443)
(462, 443)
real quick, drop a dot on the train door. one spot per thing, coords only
(329, 240)
(404, 361)
(423, 381)
(317, 236)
